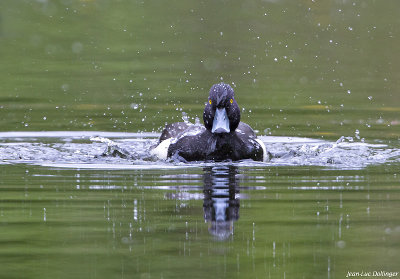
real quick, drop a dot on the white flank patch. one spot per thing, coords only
(161, 151)
(265, 157)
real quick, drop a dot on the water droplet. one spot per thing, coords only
(341, 244)
(77, 47)
(44, 214)
(357, 134)
(65, 87)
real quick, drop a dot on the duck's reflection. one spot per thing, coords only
(221, 202)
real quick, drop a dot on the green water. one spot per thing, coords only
(299, 223)
(81, 64)
(320, 69)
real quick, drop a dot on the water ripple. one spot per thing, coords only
(108, 150)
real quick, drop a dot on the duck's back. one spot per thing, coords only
(238, 145)
(179, 129)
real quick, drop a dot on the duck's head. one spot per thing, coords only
(221, 114)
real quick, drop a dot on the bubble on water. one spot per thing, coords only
(65, 87)
(341, 244)
(348, 91)
(44, 118)
(370, 98)
(77, 47)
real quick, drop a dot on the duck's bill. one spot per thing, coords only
(221, 122)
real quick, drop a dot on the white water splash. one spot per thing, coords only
(104, 150)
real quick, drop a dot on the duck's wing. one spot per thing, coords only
(245, 129)
(174, 130)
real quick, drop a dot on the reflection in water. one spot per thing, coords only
(296, 222)
(221, 203)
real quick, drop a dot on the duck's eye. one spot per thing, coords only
(210, 102)
(231, 101)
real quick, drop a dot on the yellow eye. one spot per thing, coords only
(231, 101)
(210, 102)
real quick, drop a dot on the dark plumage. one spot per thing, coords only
(223, 136)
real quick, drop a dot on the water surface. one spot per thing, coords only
(87, 86)
(69, 207)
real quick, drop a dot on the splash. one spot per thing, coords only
(106, 150)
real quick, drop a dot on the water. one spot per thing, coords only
(113, 150)
(71, 206)
(317, 80)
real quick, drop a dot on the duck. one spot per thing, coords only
(223, 137)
